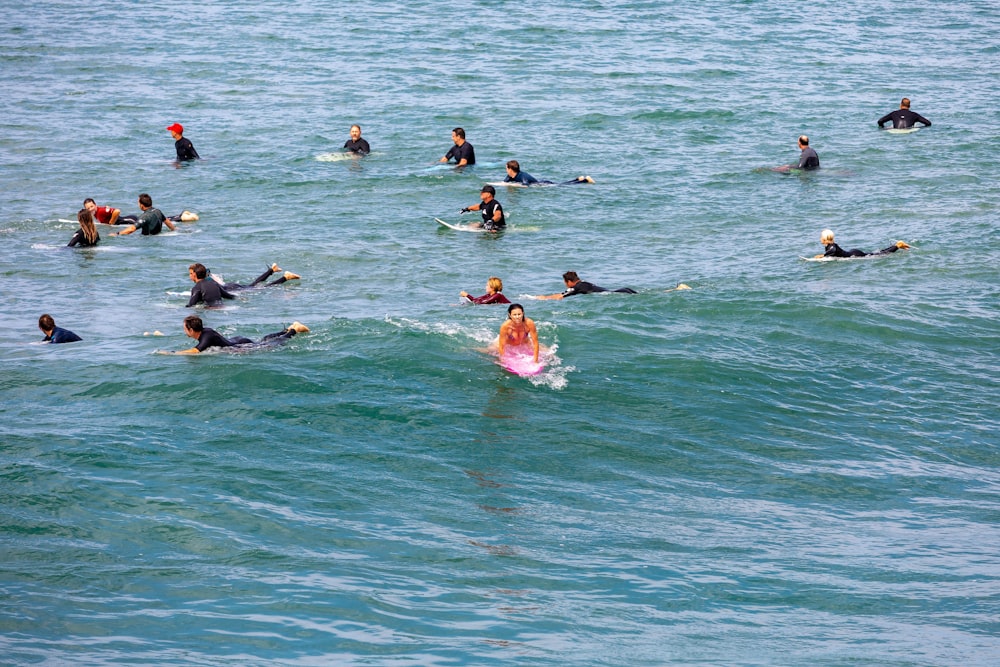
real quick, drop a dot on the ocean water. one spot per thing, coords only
(792, 463)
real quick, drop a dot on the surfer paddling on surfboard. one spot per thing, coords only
(517, 335)
(515, 175)
(834, 250)
(492, 211)
(902, 118)
(576, 286)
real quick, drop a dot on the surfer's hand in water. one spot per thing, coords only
(465, 210)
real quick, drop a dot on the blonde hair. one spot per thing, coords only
(826, 236)
(495, 284)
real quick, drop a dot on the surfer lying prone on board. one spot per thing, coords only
(515, 175)
(492, 211)
(576, 286)
(517, 332)
(209, 338)
(211, 292)
(494, 289)
(834, 250)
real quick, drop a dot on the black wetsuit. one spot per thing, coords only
(834, 250)
(79, 239)
(360, 146)
(185, 150)
(150, 221)
(809, 159)
(488, 210)
(583, 287)
(60, 335)
(463, 152)
(212, 338)
(209, 292)
(903, 119)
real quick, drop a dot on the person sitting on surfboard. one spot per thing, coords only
(356, 144)
(184, 147)
(494, 287)
(516, 331)
(207, 338)
(492, 211)
(515, 175)
(576, 286)
(462, 151)
(211, 292)
(834, 250)
(902, 118)
(808, 159)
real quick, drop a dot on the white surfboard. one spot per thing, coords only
(461, 228)
(902, 130)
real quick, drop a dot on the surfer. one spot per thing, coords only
(54, 334)
(576, 286)
(808, 159)
(185, 149)
(902, 118)
(494, 289)
(150, 221)
(462, 151)
(515, 175)
(87, 235)
(492, 211)
(516, 331)
(207, 338)
(356, 144)
(834, 250)
(107, 215)
(211, 292)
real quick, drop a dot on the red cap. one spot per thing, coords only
(176, 127)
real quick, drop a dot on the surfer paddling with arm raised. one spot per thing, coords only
(516, 331)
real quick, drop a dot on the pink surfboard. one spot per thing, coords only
(521, 363)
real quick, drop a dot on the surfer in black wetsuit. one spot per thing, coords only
(902, 118)
(463, 152)
(834, 250)
(576, 286)
(492, 211)
(208, 338)
(515, 175)
(185, 149)
(210, 292)
(356, 144)
(808, 159)
(87, 235)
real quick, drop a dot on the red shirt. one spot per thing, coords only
(496, 297)
(103, 214)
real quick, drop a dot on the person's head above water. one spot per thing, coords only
(904, 103)
(570, 278)
(826, 237)
(198, 271)
(803, 140)
(193, 323)
(514, 166)
(515, 312)
(46, 324)
(494, 284)
(355, 132)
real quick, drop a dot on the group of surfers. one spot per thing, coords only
(517, 332)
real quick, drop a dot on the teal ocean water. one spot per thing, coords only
(792, 463)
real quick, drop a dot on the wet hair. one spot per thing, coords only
(193, 322)
(46, 323)
(88, 199)
(459, 131)
(571, 276)
(495, 284)
(199, 270)
(514, 165)
(905, 103)
(489, 188)
(86, 220)
(826, 237)
(145, 200)
(513, 307)
(356, 126)
(804, 140)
